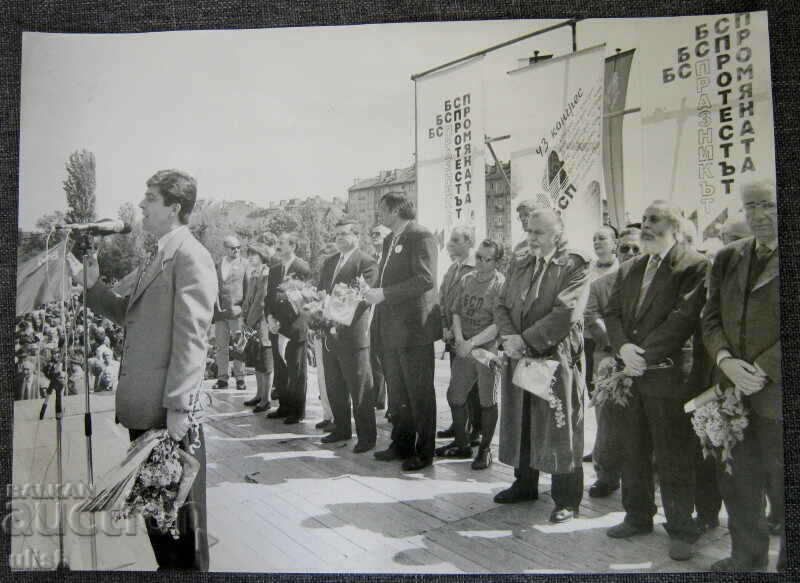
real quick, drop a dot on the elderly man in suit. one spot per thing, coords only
(167, 319)
(346, 361)
(231, 271)
(376, 236)
(741, 329)
(653, 310)
(284, 319)
(405, 325)
(539, 314)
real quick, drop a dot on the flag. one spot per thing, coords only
(707, 123)
(40, 279)
(451, 183)
(618, 68)
(557, 139)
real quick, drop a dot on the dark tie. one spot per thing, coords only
(536, 279)
(148, 261)
(762, 257)
(647, 280)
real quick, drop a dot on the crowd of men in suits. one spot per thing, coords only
(678, 320)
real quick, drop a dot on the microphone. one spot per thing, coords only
(100, 228)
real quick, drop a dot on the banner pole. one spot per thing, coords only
(488, 143)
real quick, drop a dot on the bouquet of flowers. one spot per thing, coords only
(538, 376)
(153, 480)
(341, 305)
(612, 384)
(299, 293)
(719, 421)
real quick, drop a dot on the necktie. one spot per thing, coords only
(338, 267)
(536, 279)
(763, 254)
(146, 267)
(647, 280)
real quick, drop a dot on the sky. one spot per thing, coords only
(263, 115)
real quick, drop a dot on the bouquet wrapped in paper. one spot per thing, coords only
(153, 480)
(538, 377)
(300, 294)
(611, 385)
(341, 305)
(719, 420)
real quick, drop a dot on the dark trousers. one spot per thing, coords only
(588, 349)
(412, 399)
(659, 426)
(293, 397)
(348, 378)
(190, 550)
(473, 399)
(567, 488)
(609, 444)
(378, 382)
(757, 469)
(280, 378)
(707, 497)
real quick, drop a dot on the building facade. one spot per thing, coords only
(365, 196)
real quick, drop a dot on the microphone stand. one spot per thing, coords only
(88, 246)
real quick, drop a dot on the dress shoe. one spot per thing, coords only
(240, 385)
(731, 565)
(252, 402)
(680, 550)
(587, 458)
(516, 493)
(261, 408)
(291, 420)
(334, 437)
(602, 489)
(277, 414)
(390, 454)
(415, 463)
(453, 450)
(380, 406)
(448, 433)
(221, 384)
(363, 447)
(626, 530)
(324, 424)
(562, 514)
(483, 460)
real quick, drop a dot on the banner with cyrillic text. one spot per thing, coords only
(451, 185)
(707, 123)
(556, 156)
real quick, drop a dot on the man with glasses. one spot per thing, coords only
(231, 271)
(653, 310)
(607, 447)
(741, 331)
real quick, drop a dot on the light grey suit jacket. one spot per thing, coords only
(166, 318)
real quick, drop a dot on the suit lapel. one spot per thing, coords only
(633, 286)
(157, 266)
(663, 274)
(770, 272)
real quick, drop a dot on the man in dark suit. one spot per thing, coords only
(405, 325)
(346, 361)
(167, 318)
(741, 330)
(652, 312)
(376, 235)
(231, 270)
(292, 396)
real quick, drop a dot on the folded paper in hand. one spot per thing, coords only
(536, 375)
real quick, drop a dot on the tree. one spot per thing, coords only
(80, 186)
(30, 244)
(121, 254)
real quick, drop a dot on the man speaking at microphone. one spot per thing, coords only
(166, 317)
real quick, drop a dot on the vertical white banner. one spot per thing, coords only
(707, 123)
(451, 184)
(556, 156)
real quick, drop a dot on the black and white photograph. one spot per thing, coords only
(464, 297)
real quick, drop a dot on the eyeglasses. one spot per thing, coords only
(629, 249)
(373, 235)
(483, 258)
(235, 248)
